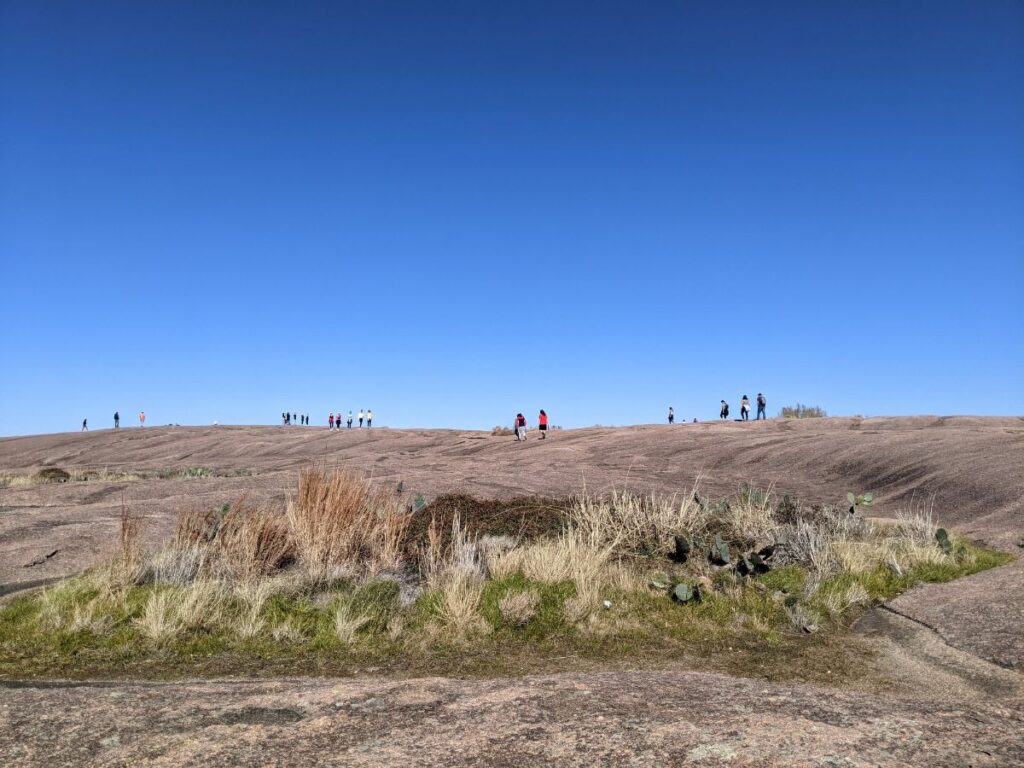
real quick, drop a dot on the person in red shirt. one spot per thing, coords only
(330, 421)
(542, 424)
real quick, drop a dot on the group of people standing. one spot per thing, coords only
(542, 425)
(334, 422)
(723, 411)
(762, 403)
(302, 419)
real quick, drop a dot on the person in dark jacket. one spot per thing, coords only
(723, 412)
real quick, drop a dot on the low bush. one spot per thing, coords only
(801, 411)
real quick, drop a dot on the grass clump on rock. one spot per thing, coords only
(346, 577)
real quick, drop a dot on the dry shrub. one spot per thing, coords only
(916, 525)
(453, 556)
(197, 526)
(502, 432)
(178, 566)
(252, 542)
(807, 544)
(636, 523)
(128, 568)
(517, 608)
(750, 519)
(336, 519)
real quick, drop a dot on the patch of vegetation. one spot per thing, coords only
(347, 579)
(58, 475)
(801, 411)
(199, 472)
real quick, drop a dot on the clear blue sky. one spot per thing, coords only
(450, 212)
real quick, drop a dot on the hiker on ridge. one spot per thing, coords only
(350, 419)
(542, 424)
(520, 427)
(85, 425)
(330, 421)
(761, 403)
(723, 412)
(671, 415)
(360, 418)
(369, 418)
(117, 420)
(745, 408)
(142, 418)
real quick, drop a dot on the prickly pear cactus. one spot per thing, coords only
(684, 593)
(719, 554)
(659, 580)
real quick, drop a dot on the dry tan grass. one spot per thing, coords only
(337, 519)
(518, 608)
(129, 567)
(160, 621)
(576, 555)
(635, 522)
(347, 623)
(253, 542)
(177, 565)
(203, 604)
(749, 518)
(460, 601)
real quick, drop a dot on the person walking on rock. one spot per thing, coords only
(350, 419)
(745, 408)
(85, 425)
(117, 420)
(723, 412)
(761, 404)
(360, 418)
(142, 418)
(542, 424)
(671, 415)
(369, 418)
(330, 421)
(520, 427)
